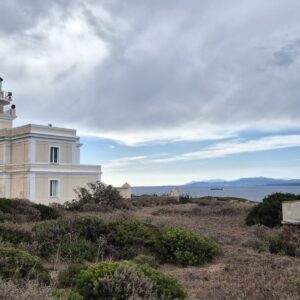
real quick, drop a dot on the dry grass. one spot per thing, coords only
(151, 200)
(240, 272)
(24, 291)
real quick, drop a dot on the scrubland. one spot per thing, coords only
(244, 270)
(241, 267)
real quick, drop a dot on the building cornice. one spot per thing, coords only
(32, 126)
(40, 136)
(51, 168)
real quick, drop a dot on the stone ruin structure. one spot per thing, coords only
(125, 190)
(175, 193)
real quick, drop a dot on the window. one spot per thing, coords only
(54, 155)
(53, 188)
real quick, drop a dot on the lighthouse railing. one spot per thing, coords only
(7, 96)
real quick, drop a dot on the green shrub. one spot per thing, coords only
(185, 198)
(18, 211)
(127, 282)
(165, 286)
(184, 247)
(77, 239)
(146, 259)
(88, 281)
(67, 277)
(124, 280)
(97, 193)
(50, 234)
(6, 205)
(276, 245)
(269, 212)
(46, 212)
(78, 251)
(22, 210)
(66, 295)
(134, 237)
(17, 264)
(4, 217)
(151, 200)
(13, 234)
(90, 228)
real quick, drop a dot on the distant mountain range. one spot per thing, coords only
(253, 181)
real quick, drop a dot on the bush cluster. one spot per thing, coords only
(125, 280)
(185, 198)
(21, 210)
(81, 239)
(74, 238)
(151, 200)
(11, 233)
(78, 240)
(78, 251)
(46, 212)
(277, 245)
(134, 237)
(184, 247)
(17, 264)
(142, 259)
(269, 212)
(97, 196)
(67, 277)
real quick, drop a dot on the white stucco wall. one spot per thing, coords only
(67, 184)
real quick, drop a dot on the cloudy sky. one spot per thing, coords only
(162, 92)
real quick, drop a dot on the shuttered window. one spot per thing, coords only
(53, 189)
(54, 155)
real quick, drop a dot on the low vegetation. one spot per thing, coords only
(198, 249)
(24, 290)
(97, 197)
(126, 280)
(14, 234)
(151, 200)
(21, 210)
(84, 242)
(68, 235)
(184, 247)
(142, 259)
(269, 211)
(17, 264)
(79, 239)
(274, 243)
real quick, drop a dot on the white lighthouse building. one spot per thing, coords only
(39, 163)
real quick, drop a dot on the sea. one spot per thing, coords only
(254, 193)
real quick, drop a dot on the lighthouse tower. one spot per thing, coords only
(6, 116)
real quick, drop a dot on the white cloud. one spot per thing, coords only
(154, 71)
(235, 146)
